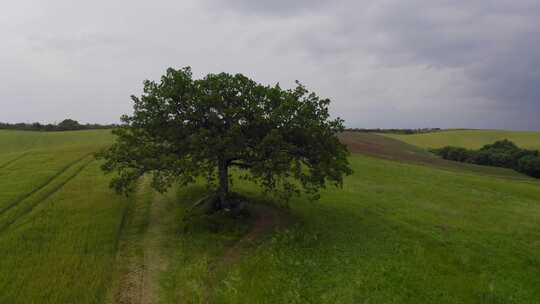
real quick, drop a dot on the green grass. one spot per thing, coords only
(396, 233)
(59, 222)
(19, 141)
(472, 139)
(384, 147)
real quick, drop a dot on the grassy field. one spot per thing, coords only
(472, 139)
(59, 222)
(396, 233)
(393, 149)
(404, 229)
(21, 141)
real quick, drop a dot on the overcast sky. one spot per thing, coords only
(384, 63)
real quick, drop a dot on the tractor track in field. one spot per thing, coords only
(141, 258)
(267, 220)
(41, 186)
(47, 194)
(11, 161)
(140, 255)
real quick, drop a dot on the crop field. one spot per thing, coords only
(385, 147)
(396, 233)
(440, 239)
(472, 139)
(406, 228)
(59, 222)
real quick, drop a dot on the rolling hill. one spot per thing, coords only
(472, 139)
(406, 228)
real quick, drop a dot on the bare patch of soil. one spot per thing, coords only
(129, 285)
(378, 146)
(141, 261)
(266, 220)
(384, 147)
(154, 260)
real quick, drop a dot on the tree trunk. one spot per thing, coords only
(223, 190)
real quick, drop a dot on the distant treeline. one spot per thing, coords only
(65, 125)
(397, 131)
(503, 153)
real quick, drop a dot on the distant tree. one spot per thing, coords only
(530, 165)
(501, 145)
(502, 153)
(50, 127)
(182, 129)
(36, 126)
(454, 153)
(396, 131)
(69, 124)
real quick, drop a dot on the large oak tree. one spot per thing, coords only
(184, 129)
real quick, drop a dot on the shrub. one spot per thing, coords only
(502, 153)
(530, 165)
(503, 145)
(454, 153)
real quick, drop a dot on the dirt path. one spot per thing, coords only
(266, 220)
(140, 256)
(141, 260)
(154, 260)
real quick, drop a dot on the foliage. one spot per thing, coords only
(69, 124)
(454, 153)
(502, 153)
(183, 129)
(530, 165)
(386, 147)
(65, 125)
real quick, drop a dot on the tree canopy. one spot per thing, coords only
(502, 153)
(183, 129)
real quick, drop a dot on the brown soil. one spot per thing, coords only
(154, 260)
(267, 219)
(384, 147)
(142, 261)
(130, 281)
(379, 146)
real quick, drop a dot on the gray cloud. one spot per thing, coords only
(495, 45)
(276, 7)
(385, 63)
